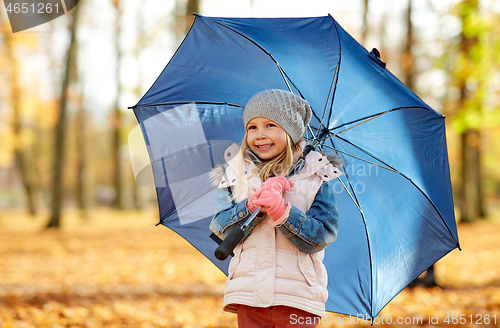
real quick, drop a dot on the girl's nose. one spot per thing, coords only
(261, 134)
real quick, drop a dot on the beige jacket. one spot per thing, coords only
(267, 269)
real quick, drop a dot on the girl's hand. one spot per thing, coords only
(274, 184)
(272, 203)
(250, 205)
(270, 197)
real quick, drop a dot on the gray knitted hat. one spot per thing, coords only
(291, 112)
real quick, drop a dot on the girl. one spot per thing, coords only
(276, 277)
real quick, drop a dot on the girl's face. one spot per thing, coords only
(265, 138)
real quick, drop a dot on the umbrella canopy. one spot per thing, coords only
(394, 199)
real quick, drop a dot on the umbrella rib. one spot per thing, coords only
(283, 73)
(363, 122)
(413, 183)
(329, 93)
(367, 240)
(246, 37)
(371, 155)
(188, 102)
(338, 66)
(314, 140)
(312, 134)
(361, 159)
(358, 205)
(352, 198)
(285, 76)
(366, 118)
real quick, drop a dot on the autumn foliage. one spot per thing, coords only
(119, 270)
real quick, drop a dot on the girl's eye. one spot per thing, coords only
(251, 127)
(271, 125)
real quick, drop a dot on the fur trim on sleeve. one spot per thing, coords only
(217, 174)
(335, 160)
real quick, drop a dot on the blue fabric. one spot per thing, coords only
(397, 218)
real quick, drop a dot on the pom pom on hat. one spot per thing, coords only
(290, 111)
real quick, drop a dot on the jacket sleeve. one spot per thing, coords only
(313, 231)
(230, 215)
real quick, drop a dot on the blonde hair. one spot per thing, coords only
(280, 165)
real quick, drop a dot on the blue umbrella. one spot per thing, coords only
(394, 198)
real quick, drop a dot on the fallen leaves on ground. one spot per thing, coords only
(119, 270)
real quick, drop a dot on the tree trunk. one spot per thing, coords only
(384, 53)
(407, 59)
(364, 29)
(117, 165)
(137, 192)
(60, 131)
(23, 154)
(183, 17)
(117, 115)
(193, 6)
(26, 161)
(84, 178)
(471, 203)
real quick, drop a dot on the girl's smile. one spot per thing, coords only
(266, 138)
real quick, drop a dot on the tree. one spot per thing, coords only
(84, 174)
(117, 114)
(23, 152)
(364, 28)
(468, 68)
(183, 17)
(193, 6)
(407, 59)
(142, 40)
(60, 130)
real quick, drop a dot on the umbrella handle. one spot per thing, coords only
(235, 237)
(227, 246)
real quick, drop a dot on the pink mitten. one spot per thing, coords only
(270, 196)
(274, 184)
(273, 203)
